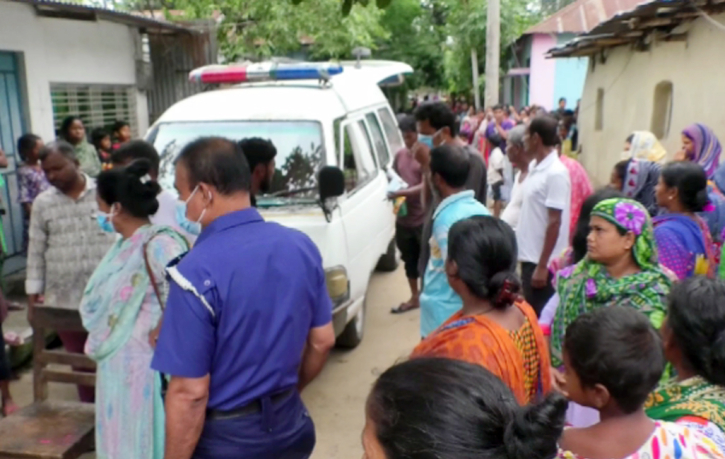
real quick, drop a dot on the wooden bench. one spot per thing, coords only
(51, 318)
(49, 429)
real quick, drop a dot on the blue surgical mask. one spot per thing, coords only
(104, 221)
(193, 228)
(426, 140)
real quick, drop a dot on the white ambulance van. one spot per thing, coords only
(335, 135)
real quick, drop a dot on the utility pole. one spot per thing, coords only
(493, 50)
(474, 70)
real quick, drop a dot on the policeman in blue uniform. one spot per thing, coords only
(247, 323)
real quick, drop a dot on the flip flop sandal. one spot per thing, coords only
(403, 308)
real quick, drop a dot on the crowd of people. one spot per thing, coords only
(599, 295)
(564, 322)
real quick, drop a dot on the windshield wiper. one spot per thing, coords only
(280, 193)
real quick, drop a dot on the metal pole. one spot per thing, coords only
(493, 50)
(474, 71)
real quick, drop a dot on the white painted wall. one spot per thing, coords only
(67, 51)
(694, 67)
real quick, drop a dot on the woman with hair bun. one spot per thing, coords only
(683, 238)
(448, 409)
(496, 328)
(694, 343)
(121, 307)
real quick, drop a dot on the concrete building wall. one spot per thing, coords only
(627, 81)
(67, 51)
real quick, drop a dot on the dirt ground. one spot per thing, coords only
(336, 400)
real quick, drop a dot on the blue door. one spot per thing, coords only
(11, 127)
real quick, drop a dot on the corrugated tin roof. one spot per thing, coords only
(582, 16)
(60, 9)
(637, 26)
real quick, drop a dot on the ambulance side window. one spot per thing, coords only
(358, 164)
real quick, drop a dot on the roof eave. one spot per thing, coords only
(53, 9)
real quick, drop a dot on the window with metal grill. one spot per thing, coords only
(97, 105)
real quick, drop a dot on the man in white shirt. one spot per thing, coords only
(166, 215)
(518, 157)
(543, 229)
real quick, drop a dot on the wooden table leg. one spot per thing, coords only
(40, 386)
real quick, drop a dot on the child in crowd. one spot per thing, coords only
(121, 133)
(31, 178)
(614, 359)
(102, 141)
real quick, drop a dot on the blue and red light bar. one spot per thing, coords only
(215, 74)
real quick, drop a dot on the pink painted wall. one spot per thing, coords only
(543, 71)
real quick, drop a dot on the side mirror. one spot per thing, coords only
(331, 183)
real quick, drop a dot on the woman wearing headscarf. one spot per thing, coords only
(637, 179)
(621, 267)
(644, 145)
(613, 263)
(700, 145)
(683, 238)
(73, 131)
(578, 248)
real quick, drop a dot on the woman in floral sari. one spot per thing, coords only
(694, 341)
(495, 328)
(683, 238)
(621, 267)
(121, 306)
(578, 251)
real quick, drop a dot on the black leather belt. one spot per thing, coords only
(254, 407)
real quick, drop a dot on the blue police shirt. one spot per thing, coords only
(240, 307)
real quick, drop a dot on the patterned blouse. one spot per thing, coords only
(31, 182)
(668, 441)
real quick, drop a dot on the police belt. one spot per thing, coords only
(254, 407)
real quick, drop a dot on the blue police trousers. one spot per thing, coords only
(282, 430)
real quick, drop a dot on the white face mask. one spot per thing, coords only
(437, 135)
(105, 221)
(193, 228)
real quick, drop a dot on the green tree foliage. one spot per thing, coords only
(255, 29)
(416, 39)
(434, 36)
(466, 27)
